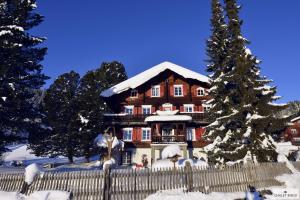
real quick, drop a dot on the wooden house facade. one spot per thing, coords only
(164, 105)
(292, 132)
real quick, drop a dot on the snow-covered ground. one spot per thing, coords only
(292, 181)
(40, 195)
(20, 152)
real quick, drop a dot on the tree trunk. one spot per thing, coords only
(70, 158)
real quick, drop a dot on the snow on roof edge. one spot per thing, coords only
(295, 119)
(145, 76)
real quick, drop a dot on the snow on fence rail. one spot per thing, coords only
(138, 184)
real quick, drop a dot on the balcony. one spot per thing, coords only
(140, 119)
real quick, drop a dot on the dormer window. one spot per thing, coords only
(178, 90)
(134, 94)
(155, 91)
(200, 92)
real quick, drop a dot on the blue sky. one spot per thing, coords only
(140, 34)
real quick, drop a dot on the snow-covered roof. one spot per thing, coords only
(295, 119)
(145, 76)
(167, 118)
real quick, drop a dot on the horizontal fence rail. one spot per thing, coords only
(127, 184)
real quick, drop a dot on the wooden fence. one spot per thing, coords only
(134, 184)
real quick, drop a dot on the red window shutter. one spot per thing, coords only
(184, 88)
(181, 109)
(196, 109)
(140, 110)
(138, 134)
(148, 93)
(135, 110)
(162, 90)
(134, 134)
(201, 109)
(199, 133)
(171, 90)
(152, 109)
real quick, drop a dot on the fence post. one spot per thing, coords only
(188, 176)
(107, 183)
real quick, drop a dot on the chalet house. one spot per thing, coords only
(292, 132)
(162, 105)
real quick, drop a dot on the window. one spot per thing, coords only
(200, 92)
(134, 94)
(127, 134)
(146, 109)
(126, 158)
(146, 134)
(178, 91)
(129, 110)
(190, 134)
(155, 91)
(294, 131)
(206, 107)
(167, 107)
(188, 108)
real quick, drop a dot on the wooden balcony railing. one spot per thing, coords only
(168, 139)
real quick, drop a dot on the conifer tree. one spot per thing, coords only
(20, 69)
(243, 132)
(217, 53)
(114, 73)
(61, 108)
(91, 105)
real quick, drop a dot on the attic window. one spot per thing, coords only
(178, 91)
(155, 91)
(134, 94)
(200, 92)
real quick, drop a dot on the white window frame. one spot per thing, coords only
(190, 137)
(201, 90)
(129, 108)
(125, 132)
(155, 91)
(294, 131)
(137, 94)
(188, 106)
(181, 89)
(147, 107)
(206, 107)
(148, 132)
(167, 107)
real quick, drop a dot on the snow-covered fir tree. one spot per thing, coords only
(217, 54)
(74, 112)
(20, 69)
(90, 104)
(61, 108)
(242, 131)
(114, 73)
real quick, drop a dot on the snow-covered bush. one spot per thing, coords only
(171, 151)
(109, 146)
(31, 171)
